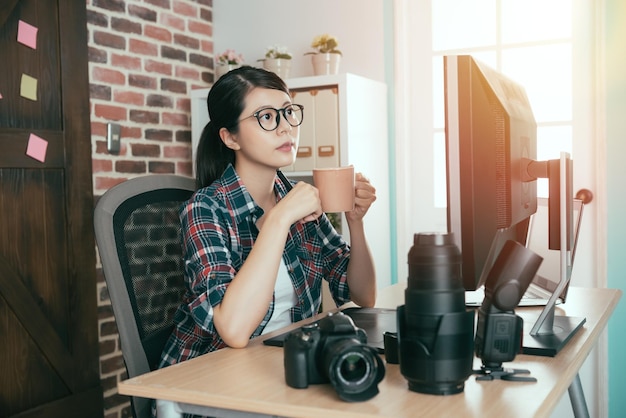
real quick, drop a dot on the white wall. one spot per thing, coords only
(250, 26)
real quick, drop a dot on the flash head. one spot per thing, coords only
(511, 274)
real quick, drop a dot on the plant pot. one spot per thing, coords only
(324, 64)
(280, 66)
(221, 69)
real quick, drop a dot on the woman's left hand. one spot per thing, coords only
(365, 195)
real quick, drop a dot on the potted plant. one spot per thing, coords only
(277, 59)
(326, 57)
(226, 61)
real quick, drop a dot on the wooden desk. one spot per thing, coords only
(252, 379)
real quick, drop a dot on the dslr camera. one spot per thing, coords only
(333, 350)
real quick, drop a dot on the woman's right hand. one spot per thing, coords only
(302, 203)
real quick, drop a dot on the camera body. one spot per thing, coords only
(435, 330)
(333, 350)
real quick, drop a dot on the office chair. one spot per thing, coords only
(138, 236)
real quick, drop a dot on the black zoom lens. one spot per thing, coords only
(353, 369)
(435, 331)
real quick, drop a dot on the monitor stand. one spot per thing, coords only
(550, 343)
(550, 333)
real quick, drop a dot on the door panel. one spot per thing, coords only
(48, 313)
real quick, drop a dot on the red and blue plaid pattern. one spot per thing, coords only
(218, 232)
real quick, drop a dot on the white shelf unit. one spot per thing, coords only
(361, 120)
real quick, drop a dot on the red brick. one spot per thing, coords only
(97, 55)
(155, 66)
(109, 39)
(158, 33)
(98, 91)
(172, 21)
(125, 61)
(201, 60)
(177, 152)
(129, 97)
(110, 112)
(98, 129)
(186, 41)
(184, 168)
(98, 19)
(185, 9)
(165, 4)
(143, 150)
(173, 53)
(143, 47)
(107, 75)
(112, 5)
(206, 14)
(125, 25)
(175, 119)
(200, 28)
(141, 116)
(142, 81)
(161, 167)
(101, 147)
(175, 86)
(183, 136)
(206, 46)
(101, 166)
(159, 100)
(187, 73)
(183, 104)
(159, 135)
(134, 132)
(142, 13)
(126, 166)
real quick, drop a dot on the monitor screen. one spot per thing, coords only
(491, 137)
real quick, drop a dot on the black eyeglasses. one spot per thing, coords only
(269, 118)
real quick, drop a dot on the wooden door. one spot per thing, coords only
(48, 313)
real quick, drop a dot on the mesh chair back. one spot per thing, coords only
(138, 236)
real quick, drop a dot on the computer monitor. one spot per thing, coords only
(492, 172)
(491, 136)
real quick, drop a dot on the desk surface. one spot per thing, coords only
(252, 379)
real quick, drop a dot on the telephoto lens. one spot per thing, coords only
(435, 330)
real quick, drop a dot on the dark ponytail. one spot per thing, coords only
(226, 101)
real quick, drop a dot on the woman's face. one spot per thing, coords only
(253, 144)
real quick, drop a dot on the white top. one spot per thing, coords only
(285, 298)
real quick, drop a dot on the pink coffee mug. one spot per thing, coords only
(336, 187)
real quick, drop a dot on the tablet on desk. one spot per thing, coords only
(374, 321)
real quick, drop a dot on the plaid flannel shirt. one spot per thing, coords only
(219, 231)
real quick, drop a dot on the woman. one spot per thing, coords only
(255, 247)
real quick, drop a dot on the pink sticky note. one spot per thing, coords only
(27, 34)
(37, 148)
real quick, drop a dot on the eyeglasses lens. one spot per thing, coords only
(269, 118)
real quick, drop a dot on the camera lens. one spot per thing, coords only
(353, 369)
(435, 331)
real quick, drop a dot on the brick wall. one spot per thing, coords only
(144, 59)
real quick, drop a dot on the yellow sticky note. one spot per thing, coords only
(28, 87)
